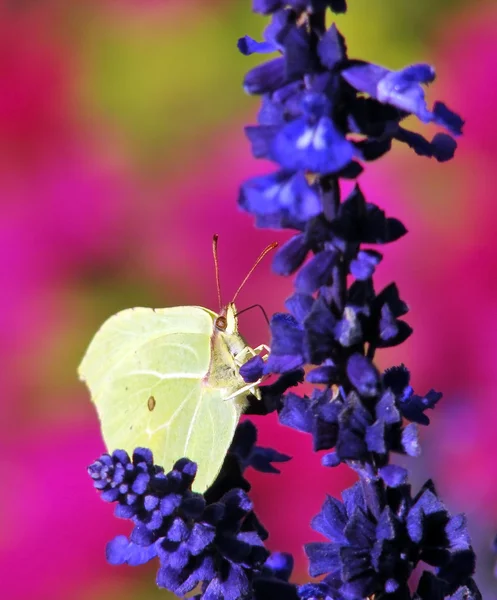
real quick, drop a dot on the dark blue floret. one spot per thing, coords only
(312, 142)
(387, 328)
(319, 326)
(317, 272)
(279, 200)
(410, 405)
(331, 48)
(363, 375)
(279, 25)
(261, 139)
(279, 565)
(273, 581)
(442, 146)
(403, 90)
(431, 587)
(266, 78)
(354, 425)
(296, 414)
(363, 266)
(362, 222)
(287, 344)
(250, 455)
(253, 369)
(318, 591)
(248, 46)
(290, 256)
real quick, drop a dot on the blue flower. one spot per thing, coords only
(244, 452)
(365, 422)
(314, 333)
(317, 272)
(281, 199)
(292, 41)
(378, 537)
(267, 77)
(442, 146)
(363, 222)
(314, 98)
(312, 142)
(403, 90)
(217, 545)
(122, 480)
(332, 50)
(286, 345)
(319, 591)
(364, 265)
(410, 405)
(281, 21)
(357, 222)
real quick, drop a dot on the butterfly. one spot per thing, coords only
(168, 379)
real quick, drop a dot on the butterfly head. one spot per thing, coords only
(227, 321)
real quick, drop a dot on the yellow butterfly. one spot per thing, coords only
(169, 379)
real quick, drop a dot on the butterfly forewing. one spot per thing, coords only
(121, 335)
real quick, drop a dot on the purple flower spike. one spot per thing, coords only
(195, 542)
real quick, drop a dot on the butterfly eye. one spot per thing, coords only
(221, 323)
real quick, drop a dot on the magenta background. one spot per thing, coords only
(98, 215)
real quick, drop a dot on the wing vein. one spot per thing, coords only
(173, 416)
(160, 375)
(194, 416)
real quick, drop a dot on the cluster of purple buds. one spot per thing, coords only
(216, 546)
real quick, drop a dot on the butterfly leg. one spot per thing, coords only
(244, 356)
(250, 387)
(240, 359)
(260, 349)
(247, 353)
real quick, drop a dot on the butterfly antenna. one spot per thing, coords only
(250, 308)
(216, 268)
(261, 256)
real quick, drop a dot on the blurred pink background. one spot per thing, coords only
(121, 152)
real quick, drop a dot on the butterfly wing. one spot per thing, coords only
(145, 370)
(187, 418)
(120, 336)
